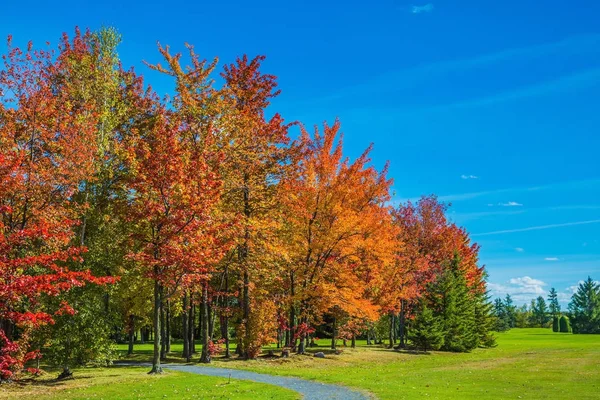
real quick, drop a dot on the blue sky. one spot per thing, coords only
(494, 106)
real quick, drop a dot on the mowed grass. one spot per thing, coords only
(135, 383)
(527, 364)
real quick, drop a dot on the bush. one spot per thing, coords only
(565, 325)
(555, 324)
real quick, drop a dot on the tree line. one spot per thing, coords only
(197, 216)
(582, 315)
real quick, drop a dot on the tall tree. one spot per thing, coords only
(554, 306)
(585, 307)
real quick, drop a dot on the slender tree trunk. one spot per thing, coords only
(156, 368)
(292, 328)
(205, 357)
(334, 334)
(184, 327)
(391, 331)
(211, 320)
(191, 318)
(131, 333)
(353, 342)
(402, 324)
(168, 338)
(244, 257)
(163, 333)
(225, 325)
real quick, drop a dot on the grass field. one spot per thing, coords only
(527, 364)
(134, 383)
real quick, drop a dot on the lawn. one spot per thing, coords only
(527, 364)
(134, 383)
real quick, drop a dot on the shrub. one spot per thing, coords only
(555, 324)
(565, 325)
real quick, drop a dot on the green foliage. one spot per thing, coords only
(426, 331)
(585, 308)
(553, 305)
(555, 327)
(451, 301)
(82, 338)
(565, 325)
(539, 312)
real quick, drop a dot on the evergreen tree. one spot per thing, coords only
(501, 323)
(553, 303)
(510, 311)
(565, 325)
(522, 317)
(453, 304)
(585, 308)
(555, 324)
(426, 331)
(540, 312)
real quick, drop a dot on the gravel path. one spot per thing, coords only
(310, 390)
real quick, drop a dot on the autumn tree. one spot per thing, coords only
(337, 218)
(46, 150)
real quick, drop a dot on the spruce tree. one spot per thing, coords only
(453, 304)
(484, 319)
(426, 331)
(585, 308)
(510, 311)
(540, 312)
(553, 304)
(501, 323)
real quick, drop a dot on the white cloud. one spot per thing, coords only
(551, 259)
(573, 289)
(519, 249)
(469, 177)
(522, 289)
(510, 204)
(422, 9)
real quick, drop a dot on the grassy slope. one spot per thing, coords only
(134, 383)
(527, 364)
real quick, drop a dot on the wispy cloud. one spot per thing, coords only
(510, 204)
(551, 259)
(469, 177)
(519, 249)
(427, 8)
(539, 227)
(558, 185)
(399, 79)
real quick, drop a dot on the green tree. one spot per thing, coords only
(565, 325)
(553, 304)
(452, 302)
(426, 331)
(585, 308)
(540, 312)
(510, 310)
(501, 323)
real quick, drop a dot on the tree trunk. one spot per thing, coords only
(163, 333)
(131, 333)
(205, 357)
(225, 325)
(353, 342)
(191, 319)
(402, 324)
(334, 334)
(156, 368)
(168, 330)
(184, 327)
(391, 331)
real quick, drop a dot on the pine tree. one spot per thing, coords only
(452, 303)
(501, 323)
(426, 331)
(510, 311)
(585, 308)
(553, 303)
(540, 312)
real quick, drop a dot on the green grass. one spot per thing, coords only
(527, 364)
(134, 383)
